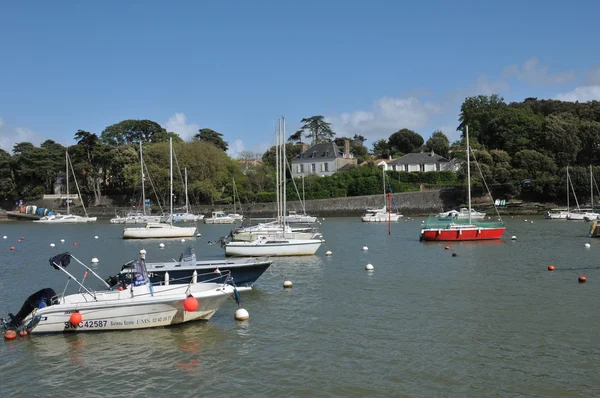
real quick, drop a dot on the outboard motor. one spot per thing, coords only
(40, 299)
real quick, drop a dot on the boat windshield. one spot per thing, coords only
(139, 273)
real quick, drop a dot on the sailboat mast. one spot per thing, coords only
(591, 188)
(171, 178)
(568, 191)
(143, 190)
(383, 179)
(468, 171)
(277, 172)
(187, 210)
(303, 196)
(234, 209)
(67, 172)
(283, 164)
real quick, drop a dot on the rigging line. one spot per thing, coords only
(76, 184)
(486, 185)
(179, 169)
(575, 195)
(153, 187)
(296, 188)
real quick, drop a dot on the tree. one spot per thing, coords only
(477, 112)
(7, 183)
(291, 150)
(212, 137)
(90, 167)
(381, 149)
(405, 141)
(317, 129)
(560, 139)
(296, 137)
(130, 131)
(438, 143)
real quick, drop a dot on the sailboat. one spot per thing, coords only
(436, 229)
(235, 215)
(68, 218)
(279, 245)
(137, 217)
(186, 216)
(381, 215)
(160, 230)
(296, 218)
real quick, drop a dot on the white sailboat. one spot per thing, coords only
(381, 215)
(280, 245)
(297, 218)
(68, 218)
(137, 217)
(185, 216)
(160, 230)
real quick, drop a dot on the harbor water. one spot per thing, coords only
(490, 321)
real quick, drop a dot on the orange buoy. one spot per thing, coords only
(551, 268)
(447, 248)
(75, 318)
(12, 248)
(23, 333)
(582, 279)
(19, 240)
(22, 238)
(10, 334)
(75, 244)
(190, 304)
(120, 288)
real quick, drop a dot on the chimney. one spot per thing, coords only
(347, 148)
(390, 157)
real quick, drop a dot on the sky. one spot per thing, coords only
(371, 68)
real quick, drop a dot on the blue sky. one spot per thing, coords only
(371, 68)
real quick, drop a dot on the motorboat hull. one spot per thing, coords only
(383, 217)
(466, 233)
(250, 236)
(162, 232)
(136, 220)
(258, 248)
(69, 219)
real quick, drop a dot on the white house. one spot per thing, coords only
(322, 159)
(424, 161)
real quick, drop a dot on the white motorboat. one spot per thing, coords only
(273, 229)
(67, 218)
(272, 247)
(294, 217)
(219, 217)
(137, 304)
(380, 215)
(463, 214)
(556, 214)
(135, 218)
(160, 230)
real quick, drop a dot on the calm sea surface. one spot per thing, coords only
(491, 321)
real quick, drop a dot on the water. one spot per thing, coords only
(491, 321)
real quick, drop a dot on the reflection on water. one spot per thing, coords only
(490, 321)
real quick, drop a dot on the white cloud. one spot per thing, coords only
(178, 124)
(532, 72)
(9, 136)
(581, 94)
(386, 116)
(236, 148)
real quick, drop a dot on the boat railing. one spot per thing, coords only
(435, 222)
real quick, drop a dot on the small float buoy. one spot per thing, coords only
(94, 260)
(587, 245)
(328, 253)
(525, 220)
(19, 240)
(454, 254)
(369, 267)
(75, 318)
(513, 238)
(182, 240)
(75, 244)
(190, 304)
(12, 248)
(10, 334)
(22, 238)
(365, 248)
(532, 222)
(241, 314)
(62, 241)
(198, 235)
(287, 284)
(23, 333)
(96, 237)
(582, 279)
(551, 268)
(52, 245)
(5, 237)
(120, 288)
(447, 248)
(161, 245)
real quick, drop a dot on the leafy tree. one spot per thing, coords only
(7, 184)
(130, 131)
(405, 141)
(317, 129)
(296, 137)
(534, 163)
(212, 137)
(589, 134)
(438, 143)
(560, 140)
(381, 149)
(291, 150)
(477, 113)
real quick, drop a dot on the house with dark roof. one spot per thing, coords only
(424, 161)
(322, 159)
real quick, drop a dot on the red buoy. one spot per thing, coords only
(582, 279)
(447, 248)
(22, 238)
(10, 334)
(190, 304)
(23, 333)
(551, 268)
(12, 248)
(19, 240)
(75, 318)
(120, 288)
(75, 244)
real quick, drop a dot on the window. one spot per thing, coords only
(314, 154)
(325, 166)
(313, 167)
(422, 167)
(301, 168)
(326, 154)
(437, 167)
(405, 167)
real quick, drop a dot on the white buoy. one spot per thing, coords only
(52, 245)
(182, 240)
(96, 237)
(62, 241)
(323, 241)
(94, 260)
(369, 267)
(365, 248)
(323, 218)
(143, 253)
(287, 284)
(161, 245)
(328, 253)
(241, 314)
(532, 222)
(513, 238)
(195, 277)
(525, 220)
(198, 235)
(5, 237)
(587, 245)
